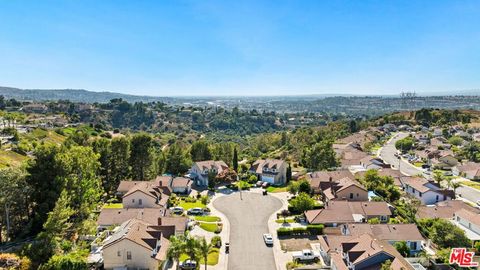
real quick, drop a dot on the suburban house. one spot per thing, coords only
(341, 212)
(375, 163)
(360, 252)
(273, 171)
(426, 191)
(391, 233)
(345, 189)
(146, 194)
(161, 182)
(181, 185)
(116, 216)
(349, 154)
(445, 162)
(395, 174)
(135, 245)
(469, 222)
(35, 108)
(444, 210)
(200, 169)
(320, 180)
(469, 170)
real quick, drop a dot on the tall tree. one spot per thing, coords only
(235, 160)
(204, 249)
(177, 162)
(118, 162)
(320, 156)
(102, 147)
(141, 156)
(45, 186)
(200, 150)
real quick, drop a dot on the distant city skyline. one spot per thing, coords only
(241, 48)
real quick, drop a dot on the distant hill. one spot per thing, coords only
(75, 95)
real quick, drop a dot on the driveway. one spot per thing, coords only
(388, 151)
(248, 215)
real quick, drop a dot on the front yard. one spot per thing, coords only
(113, 205)
(212, 258)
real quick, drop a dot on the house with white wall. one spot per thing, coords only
(200, 170)
(426, 191)
(469, 222)
(273, 171)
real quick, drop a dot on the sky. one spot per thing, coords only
(241, 48)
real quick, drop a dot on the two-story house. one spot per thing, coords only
(135, 245)
(273, 171)
(200, 170)
(146, 194)
(427, 192)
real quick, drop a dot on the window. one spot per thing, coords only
(129, 255)
(357, 195)
(139, 201)
(383, 218)
(133, 200)
(413, 245)
(420, 194)
(351, 195)
(437, 198)
(119, 253)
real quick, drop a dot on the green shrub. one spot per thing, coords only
(216, 241)
(315, 229)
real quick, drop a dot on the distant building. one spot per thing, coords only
(273, 171)
(35, 108)
(470, 170)
(469, 222)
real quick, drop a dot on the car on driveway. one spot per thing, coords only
(265, 184)
(268, 238)
(306, 255)
(177, 210)
(188, 264)
(258, 184)
(195, 211)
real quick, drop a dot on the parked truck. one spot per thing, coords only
(306, 255)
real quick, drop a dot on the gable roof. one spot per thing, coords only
(260, 164)
(388, 232)
(112, 216)
(219, 165)
(347, 212)
(444, 209)
(142, 234)
(472, 217)
(181, 182)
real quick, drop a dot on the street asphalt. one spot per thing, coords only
(388, 155)
(248, 215)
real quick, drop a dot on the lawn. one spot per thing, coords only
(212, 258)
(277, 189)
(207, 218)
(418, 164)
(113, 205)
(43, 135)
(11, 159)
(472, 184)
(188, 205)
(209, 227)
(288, 220)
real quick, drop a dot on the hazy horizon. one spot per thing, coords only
(248, 48)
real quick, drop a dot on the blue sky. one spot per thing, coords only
(171, 48)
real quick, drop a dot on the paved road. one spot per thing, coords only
(248, 222)
(388, 155)
(468, 193)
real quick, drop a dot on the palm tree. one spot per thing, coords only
(455, 185)
(191, 248)
(176, 248)
(204, 249)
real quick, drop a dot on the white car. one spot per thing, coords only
(268, 239)
(478, 203)
(177, 210)
(306, 255)
(195, 211)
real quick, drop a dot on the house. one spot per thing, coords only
(422, 138)
(35, 108)
(200, 169)
(391, 233)
(360, 253)
(445, 162)
(146, 194)
(437, 132)
(162, 182)
(345, 189)
(375, 163)
(469, 222)
(426, 191)
(341, 212)
(444, 210)
(135, 245)
(273, 171)
(469, 170)
(181, 185)
(115, 216)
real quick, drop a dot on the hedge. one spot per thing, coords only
(309, 230)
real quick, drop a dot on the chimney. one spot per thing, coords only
(159, 221)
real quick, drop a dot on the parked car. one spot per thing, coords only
(265, 184)
(177, 210)
(478, 203)
(268, 239)
(188, 264)
(259, 184)
(306, 255)
(195, 211)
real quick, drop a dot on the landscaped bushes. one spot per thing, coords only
(299, 231)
